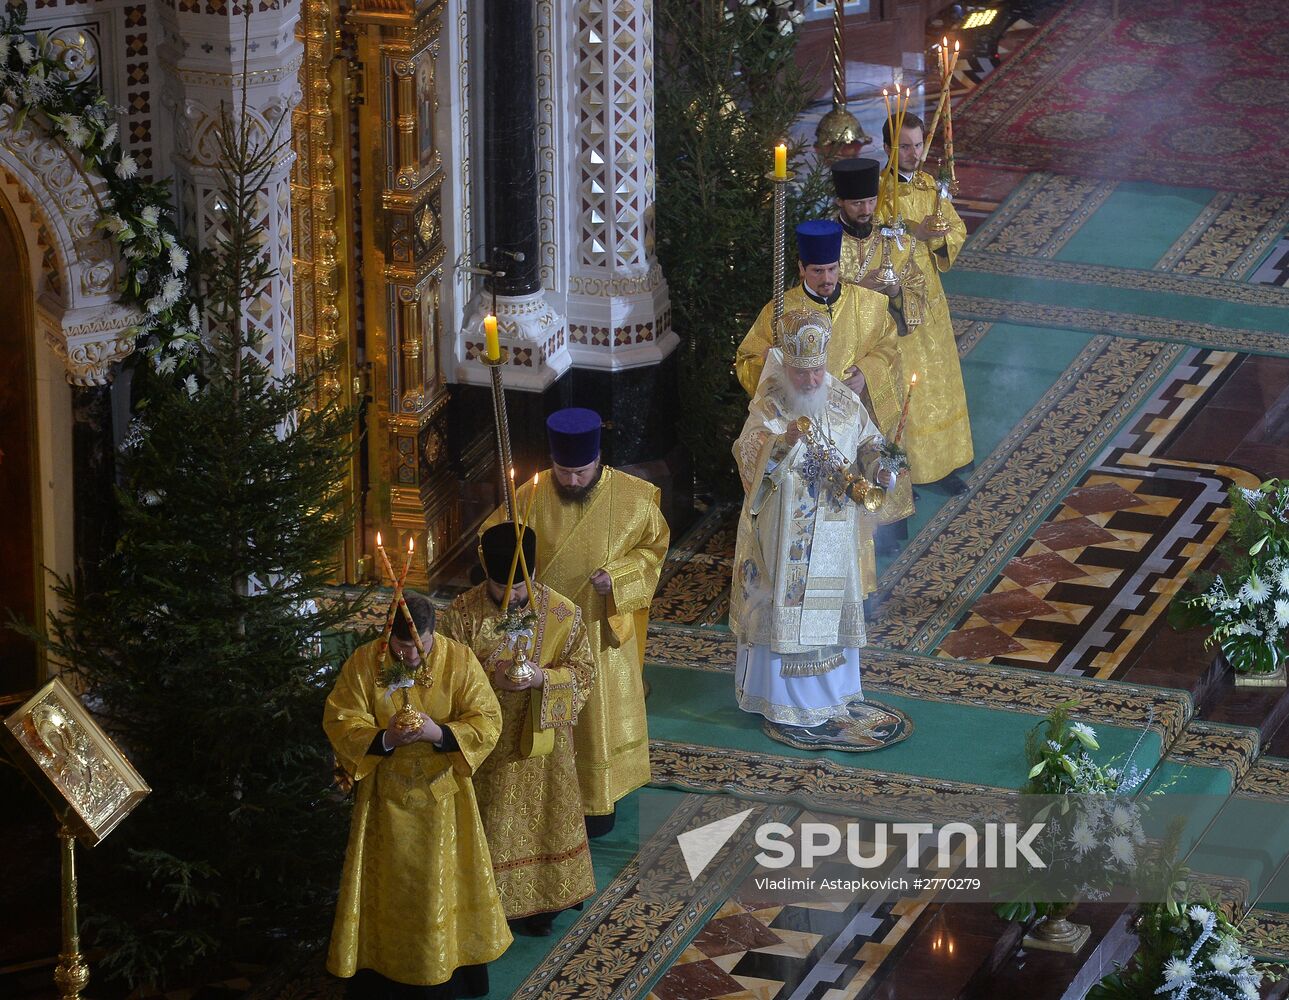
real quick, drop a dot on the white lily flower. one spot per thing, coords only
(785, 27)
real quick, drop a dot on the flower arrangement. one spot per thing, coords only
(782, 15)
(1185, 956)
(1093, 833)
(35, 84)
(1246, 607)
(515, 622)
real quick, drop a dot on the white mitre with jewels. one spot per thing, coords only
(804, 340)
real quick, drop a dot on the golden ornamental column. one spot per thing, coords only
(411, 485)
(322, 232)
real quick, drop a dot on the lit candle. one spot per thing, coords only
(780, 162)
(492, 346)
(904, 413)
(532, 498)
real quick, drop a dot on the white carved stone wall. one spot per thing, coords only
(202, 58)
(73, 262)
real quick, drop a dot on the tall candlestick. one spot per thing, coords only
(904, 413)
(780, 180)
(948, 126)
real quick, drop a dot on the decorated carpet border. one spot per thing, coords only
(632, 933)
(1268, 934)
(1121, 324)
(1216, 744)
(1268, 778)
(1230, 237)
(1103, 276)
(959, 682)
(1041, 215)
(972, 536)
(814, 782)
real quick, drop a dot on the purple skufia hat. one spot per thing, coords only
(819, 241)
(574, 436)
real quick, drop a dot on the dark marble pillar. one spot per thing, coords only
(510, 144)
(93, 477)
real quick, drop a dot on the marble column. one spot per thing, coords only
(202, 58)
(529, 322)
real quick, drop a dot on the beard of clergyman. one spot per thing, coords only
(806, 404)
(576, 494)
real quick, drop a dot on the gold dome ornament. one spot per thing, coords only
(840, 135)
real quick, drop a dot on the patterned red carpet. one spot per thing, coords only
(1185, 92)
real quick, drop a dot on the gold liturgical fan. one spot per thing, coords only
(90, 785)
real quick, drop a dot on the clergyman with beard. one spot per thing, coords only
(863, 351)
(797, 596)
(601, 542)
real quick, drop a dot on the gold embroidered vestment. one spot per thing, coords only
(417, 896)
(529, 797)
(618, 527)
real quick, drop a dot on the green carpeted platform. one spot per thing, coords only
(962, 743)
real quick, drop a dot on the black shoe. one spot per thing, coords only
(599, 826)
(540, 925)
(952, 484)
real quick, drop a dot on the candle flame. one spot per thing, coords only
(945, 41)
(955, 46)
(535, 475)
(884, 92)
(378, 539)
(411, 543)
(512, 472)
(913, 380)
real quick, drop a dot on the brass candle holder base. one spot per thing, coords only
(886, 272)
(1058, 933)
(520, 670)
(407, 717)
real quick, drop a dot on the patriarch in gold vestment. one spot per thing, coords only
(418, 904)
(529, 797)
(601, 541)
(863, 353)
(938, 435)
(796, 597)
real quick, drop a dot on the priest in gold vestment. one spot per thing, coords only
(601, 541)
(938, 435)
(529, 797)
(863, 352)
(418, 906)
